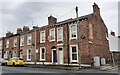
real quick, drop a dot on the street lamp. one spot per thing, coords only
(78, 37)
(35, 48)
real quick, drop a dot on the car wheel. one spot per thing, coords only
(13, 65)
(6, 64)
(3, 64)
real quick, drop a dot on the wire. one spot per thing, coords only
(50, 4)
(67, 13)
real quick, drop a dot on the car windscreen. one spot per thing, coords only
(18, 59)
(5, 59)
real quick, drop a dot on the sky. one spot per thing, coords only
(16, 14)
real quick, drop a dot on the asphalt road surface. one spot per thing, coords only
(34, 71)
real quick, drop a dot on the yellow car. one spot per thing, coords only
(15, 61)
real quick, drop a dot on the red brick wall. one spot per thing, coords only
(11, 46)
(89, 47)
(98, 47)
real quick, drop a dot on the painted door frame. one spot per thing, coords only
(21, 55)
(59, 55)
(52, 54)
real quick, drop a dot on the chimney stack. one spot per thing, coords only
(96, 9)
(9, 34)
(25, 28)
(112, 33)
(52, 20)
(35, 27)
(19, 30)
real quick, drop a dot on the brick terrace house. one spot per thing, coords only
(57, 42)
(1, 46)
(11, 45)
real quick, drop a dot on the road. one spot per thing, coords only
(8, 70)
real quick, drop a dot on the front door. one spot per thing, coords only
(21, 54)
(10, 55)
(60, 55)
(54, 56)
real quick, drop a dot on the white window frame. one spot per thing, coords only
(22, 40)
(28, 37)
(41, 37)
(62, 51)
(50, 34)
(15, 53)
(7, 43)
(41, 54)
(29, 54)
(6, 54)
(1, 44)
(0, 54)
(61, 34)
(71, 53)
(21, 54)
(15, 42)
(70, 34)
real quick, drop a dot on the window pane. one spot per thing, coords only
(43, 36)
(60, 33)
(29, 54)
(74, 34)
(29, 39)
(59, 30)
(29, 51)
(52, 34)
(43, 56)
(74, 49)
(73, 31)
(29, 57)
(74, 56)
(43, 50)
(60, 49)
(42, 53)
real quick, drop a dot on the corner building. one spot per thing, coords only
(66, 42)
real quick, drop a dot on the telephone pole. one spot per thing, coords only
(35, 57)
(78, 37)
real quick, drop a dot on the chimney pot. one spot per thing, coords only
(112, 33)
(35, 27)
(25, 28)
(96, 9)
(52, 20)
(19, 30)
(9, 34)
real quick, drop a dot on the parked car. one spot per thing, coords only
(15, 61)
(3, 61)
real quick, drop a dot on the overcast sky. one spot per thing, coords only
(16, 14)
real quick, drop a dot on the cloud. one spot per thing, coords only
(18, 14)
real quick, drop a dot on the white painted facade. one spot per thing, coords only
(113, 43)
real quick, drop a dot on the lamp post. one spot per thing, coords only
(78, 37)
(35, 48)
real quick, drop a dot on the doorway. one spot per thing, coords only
(60, 55)
(54, 60)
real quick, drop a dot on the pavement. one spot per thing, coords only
(109, 68)
(54, 66)
(105, 68)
